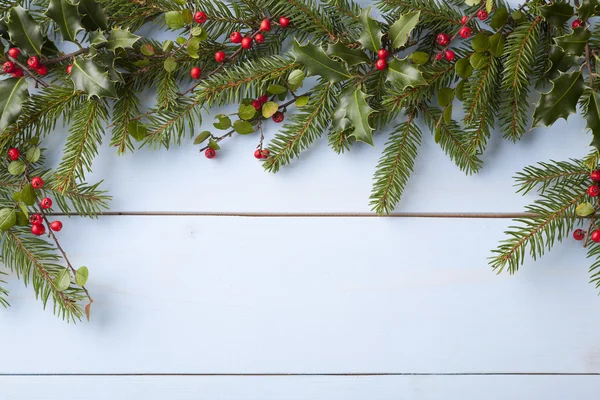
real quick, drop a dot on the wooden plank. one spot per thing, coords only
(307, 295)
(302, 388)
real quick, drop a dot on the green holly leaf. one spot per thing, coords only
(27, 195)
(121, 39)
(93, 16)
(224, 122)
(400, 31)
(62, 280)
(574, 43)
(348, 55)
(202, 136)
(97, 37)
(81, 276)
(561, 100)
(587, 9)
(497, 42)
(557, 13)
(358, 112)
(370, 36)
(402, 73)
(269, 108)
(591, 113)
(24, 31)
(243, 127)
(90, 79)
(67, 18)
(13, 92)
(559, 61)
(8, 218)
(584, 209)
(316, 62)
(174, 19)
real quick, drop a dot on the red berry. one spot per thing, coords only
(596, 236)
(247, 43)
(578, 234)
(278, 117)
(449, 54)
(482, 15)
(36, 219)
(195, 73)
(42, 70)
(56, 226)
(33, 62)
(439, 56)
(260, 38)
(265, 153)
(210, 153)
(264, 98)
(17, 73)
(443, 39)
(235, 37)
(69, 68)
(576, 24)
(256, 104)
(258, 154)
(200, 17)
(464, 20)
(284, 22)
(265, 25)
(381, 65)
(8, 67)
(465, 32)
(220, 56)
(593, 190)
(13, 153)
(46, 203)
(38, 229)
(595, 175)
(14, 52)
(37, 182)
(383, 54)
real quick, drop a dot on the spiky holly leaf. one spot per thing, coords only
(587, 9)
(403, 73)
(90, 79)
(66, 16)
(24, 31)
(348, 55)
(591, 113)
(121, 38)
(12, 93)
(561, 100)
(574, 43)
(316, 62)
(558, 13)
(559, 61)
(93, 16)
(400, 31)
(370, 36)
(358, 112)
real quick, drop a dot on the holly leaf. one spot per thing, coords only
(587, 9)
(67, 18)
(370, 36)
(121, 39)
(400, 31)
(348, 55)
(561, 100)
(316, 62)
(591, 113)
(574, 43)
(90, 79)
(93, 16)
(8, 218)
(24, 31)
(559, 61)
(402, 73)
(557, 13)
(12, 93)
(358, 112)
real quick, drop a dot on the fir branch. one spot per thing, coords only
(125, 110)
(166, 91)
(170, 126)
(436, 15)
(341, 140)
(310, 19)
(3, 293)
(81, 199)
(551, 174)
(594, 271)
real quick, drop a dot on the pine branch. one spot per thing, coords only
(310, 19)
(125, 110)
(551, 174)
(3, 293)
(166, 91)
(170, 126)
(594, 271)
(436, 15)
(81, 199)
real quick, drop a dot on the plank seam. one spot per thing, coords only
(367, 374)
(307, 215)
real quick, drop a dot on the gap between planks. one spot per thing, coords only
(482, 215)
(366, 374)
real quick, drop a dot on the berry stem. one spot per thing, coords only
(27, 71)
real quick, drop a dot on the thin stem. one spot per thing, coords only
(27, 71)
(70, 55)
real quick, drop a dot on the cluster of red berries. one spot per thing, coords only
(594, 191)
(33, 62)
(576, 24)
(37, 220)
(261, 153)
(382, 56)
(443, 39)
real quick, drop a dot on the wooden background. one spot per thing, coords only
(215, 280)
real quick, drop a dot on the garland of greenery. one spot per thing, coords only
(401, 62)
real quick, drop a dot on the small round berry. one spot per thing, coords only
(37, 182)
(464, 20)
(256, 104)
(578, 234)
(449, 54)
(382, 54)
(465, 32)
(595, 175)
(264, 98)
(284, 22)
(259, 38)
(381, 65)
(8, 67)
(200, 17)
(17, 73)
(593, 190)
(196, 73)
(38, 229)
(576, 24)
(265, 153)
(220, 56)
(14, 52)
(33, 62)
(42, 70)
(443, 39)
(439, 56)
(69, 68)
(13, 153)
(36, 219)
(210, 153)
(46, 203)
(258, 154)
(278, 117)
(247, 43)
(265, 25)
(235, 37)
(595, 236)
(482, 15)
(56, 226)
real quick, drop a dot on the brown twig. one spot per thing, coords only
(65, 57)
(27, 71)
